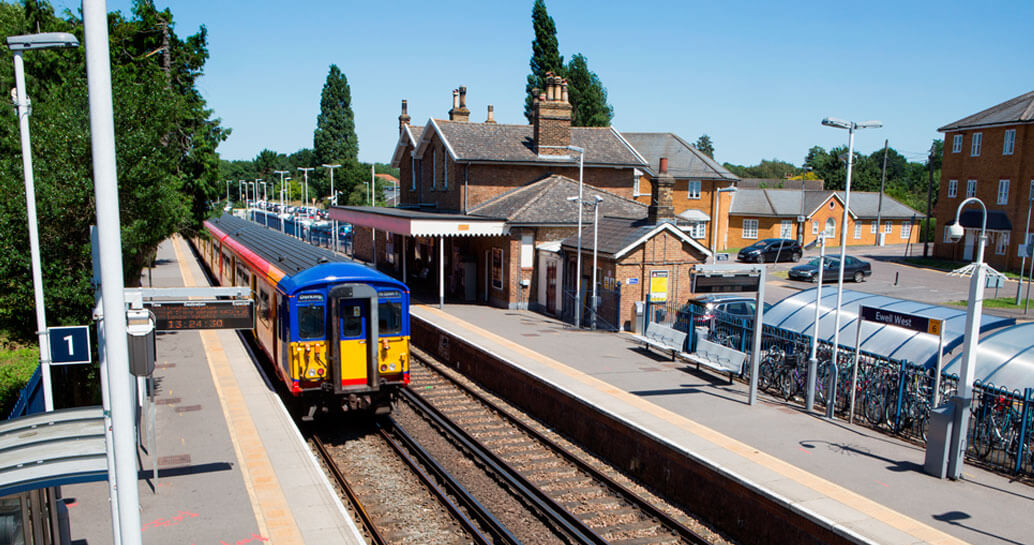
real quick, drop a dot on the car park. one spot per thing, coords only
(771, 250)
(705, 307)
(854, 269)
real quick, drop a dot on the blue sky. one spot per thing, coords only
(757, 76)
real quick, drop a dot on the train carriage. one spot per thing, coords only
(336, 331)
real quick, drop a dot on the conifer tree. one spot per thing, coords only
(587, 95)
(705, 145)
(334, 139)
(545, 55)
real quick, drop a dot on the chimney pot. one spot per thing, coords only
(404, 117)
(455, 98)
(404, 106)
(563, 91)
(463, 96)
(490, 119)
(664, 165)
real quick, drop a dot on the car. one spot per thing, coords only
(703, 308)
(771, 250)
(854, 269)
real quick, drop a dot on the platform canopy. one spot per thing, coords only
(419, 223)
(1005, 358)
(796, 313)
(52, 449)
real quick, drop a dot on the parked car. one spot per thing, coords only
(854, 269)
(771, 250)
(703, 308)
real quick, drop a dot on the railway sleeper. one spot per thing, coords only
(647, 540)
(588, 516)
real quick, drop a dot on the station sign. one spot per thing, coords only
(69, 345)
(921, 324)
(725, 278)
(658, 286)
(185, 315)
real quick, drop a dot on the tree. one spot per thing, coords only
(587, 95)
(705, 145)
(545, 56)
(334, 139)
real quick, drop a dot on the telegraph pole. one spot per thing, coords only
(883, 180)
(929, 201)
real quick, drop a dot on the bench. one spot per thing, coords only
(664, 338)
(715, 356)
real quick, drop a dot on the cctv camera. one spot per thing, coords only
(956, 232)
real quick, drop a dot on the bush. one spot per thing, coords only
(16, 368)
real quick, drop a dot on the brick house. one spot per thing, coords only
(989, 155)
(758, 214)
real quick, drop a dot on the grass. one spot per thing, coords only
(945, 265)
(785, 275)
(999, 302)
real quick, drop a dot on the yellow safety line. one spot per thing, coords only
(273, 514)
(852, 499)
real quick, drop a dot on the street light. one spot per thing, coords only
(595, 202)
(800, 218)
(964, 395)
(851, 127)
(305, 171)
(333, 200)
(260, 181)
(18, 44)
(282, 205)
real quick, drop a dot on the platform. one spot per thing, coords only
(866, 484)
(232, 468)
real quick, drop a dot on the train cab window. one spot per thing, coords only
(311, 322)
(351, 321)
(263, 304)
(389, 318)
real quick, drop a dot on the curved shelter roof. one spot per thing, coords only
(796, 313)
(1005, 358)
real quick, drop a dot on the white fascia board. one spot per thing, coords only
(653, 232)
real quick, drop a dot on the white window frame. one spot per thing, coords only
(698, 231)
(906, 230)
(434, 169)
(888, 227)
(445, 170)
(857, 230)
(750, 228)
(412, 170)
(971, 188)
(831, 228)
(1003, 192)
(956, 144)
(1002, 243)
(1009, 145)
(953, 189)
(693, 189)
(872, 227)
(786, 229)
(636, 174)
(975, 144)
(527, 250)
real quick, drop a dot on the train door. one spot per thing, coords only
(354, 338)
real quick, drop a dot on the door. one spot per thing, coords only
(967, 252)
(352, 340)
(551, 287)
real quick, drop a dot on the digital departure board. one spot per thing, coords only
(180, 315)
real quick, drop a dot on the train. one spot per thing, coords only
(336, 331)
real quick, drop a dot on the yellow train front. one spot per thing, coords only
(336, 331)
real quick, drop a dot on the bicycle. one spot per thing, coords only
(999, 426)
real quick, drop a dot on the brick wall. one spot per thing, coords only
(664, 252)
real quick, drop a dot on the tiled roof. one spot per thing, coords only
(513, 143)
(684, 160)
(1017, 110)
(779, 183)
(545, 203)
(787, 203)
(618, 234)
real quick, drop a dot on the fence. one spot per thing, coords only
(893, 396)
(608, 308)
(316, 234)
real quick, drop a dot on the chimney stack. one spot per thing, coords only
(552, 120)
(404, 118)
(662, 206)
(490, 111)
(459, 111)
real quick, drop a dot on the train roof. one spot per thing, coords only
(304, 264)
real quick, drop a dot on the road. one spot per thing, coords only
(893, 279)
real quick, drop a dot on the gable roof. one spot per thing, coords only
(1016, 110)
(408, 135)
(684, 160)
(496, 142)
(787, 203)
(544, 202)
(619, 236)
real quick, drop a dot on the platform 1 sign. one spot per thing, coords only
(69, 345)
(900, 319)
(181, 315)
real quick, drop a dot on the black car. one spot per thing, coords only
(771, 250)
(854, 269)
(703, 308)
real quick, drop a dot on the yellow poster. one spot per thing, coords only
(658, 286)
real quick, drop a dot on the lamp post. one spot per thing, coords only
(240, 192)
(282, 209)
(964, 395)
(259, 181)
(813, 360)
(1026, 250)
(595, 202)
(333, 201)
(800, 218)
(578, 262)
(305, 171)
(851, 127)
(227, 192)
(17, 44)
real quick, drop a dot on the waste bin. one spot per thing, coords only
(938, 440)
(640, 313)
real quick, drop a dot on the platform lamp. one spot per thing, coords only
(851, 127)
(18, 44)
(333, 200)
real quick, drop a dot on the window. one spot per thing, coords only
(872, 227)
(946, 237)
(857, 229)
(412, 170)
(906, 230)
(694, 189)
(953, 188)
(351, 321)
(1010, 142)
(310, 322)
(389, 318)
(636, 173)
(956, 143)
(786, 229)
(434, 168)
(974, 150)
(750, 228)
(497, 268)
(888, 227)
(263, 306)
(971, 188)
(1002, 244)
(697, 230)
(527, 250)
(831, 228)
(815, 227)
(1003, 191)
(445, 171)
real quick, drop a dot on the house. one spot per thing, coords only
(701, 195)
(758, 214)
(989, 155)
